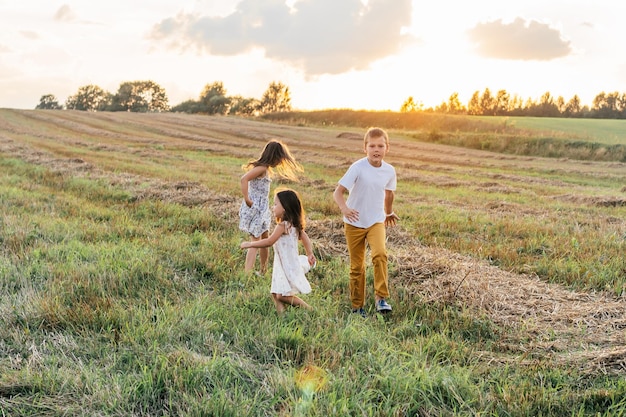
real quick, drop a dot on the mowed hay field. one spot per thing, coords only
(122, 290)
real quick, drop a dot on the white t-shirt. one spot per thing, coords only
(366, 185)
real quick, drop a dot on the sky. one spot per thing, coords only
(358, 54)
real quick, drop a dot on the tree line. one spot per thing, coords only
(148, 96)
(604, 106)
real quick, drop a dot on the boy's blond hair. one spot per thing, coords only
(375, 132)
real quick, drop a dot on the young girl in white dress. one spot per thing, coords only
(289, 269)
(254, 213)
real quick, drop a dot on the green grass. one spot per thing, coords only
(118, 301)
(159, 322)
(603, 131)
(583, 139)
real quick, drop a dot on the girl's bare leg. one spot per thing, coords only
(280, 307)
(293, 301)
(250, 259)
(264, 254)
(251, 255)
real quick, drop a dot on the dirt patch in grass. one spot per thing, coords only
(602, 201)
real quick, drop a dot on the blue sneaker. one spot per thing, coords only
(360, 311)
(382, 306)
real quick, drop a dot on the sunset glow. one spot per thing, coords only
(349, 54)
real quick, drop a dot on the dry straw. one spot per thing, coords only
(583, 329)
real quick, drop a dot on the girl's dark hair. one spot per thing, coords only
(276, 155)
(294, 213)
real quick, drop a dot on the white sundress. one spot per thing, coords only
(256, 219)
(288, 272)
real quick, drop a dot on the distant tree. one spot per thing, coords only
(609, 105)
(615, 104)
(49, 102)
(410, 105)
(214, 100)
(621, 103)
(501, 103)
(218, 105)
(442, 108)
(560, 104)
(188, 106)
(473, 106)
(276, 98)
(529, 107)
(573, 107)
(516, 106)
(585, 112)
(243, 106)
(89, 98)
(605, 105)
(454, 104)
(546, 107)
(487, 103)
(611, 101)
(140, 96)
(600, 107)
(215, 89)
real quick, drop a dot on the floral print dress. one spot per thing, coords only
(256, 219)
(288, 273)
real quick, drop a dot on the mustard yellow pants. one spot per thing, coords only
(356, 239)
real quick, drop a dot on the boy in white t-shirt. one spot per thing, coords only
(371, 183)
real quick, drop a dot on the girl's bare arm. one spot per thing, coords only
(255, 172)
(268, 241)
(308, 247)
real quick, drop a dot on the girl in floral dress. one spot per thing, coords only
(254, 214)
(289, 268)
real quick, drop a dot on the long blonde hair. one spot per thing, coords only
(276, 156)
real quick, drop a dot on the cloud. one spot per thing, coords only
(28, 34)
(64, 14)
(519, 40)
(319, 36)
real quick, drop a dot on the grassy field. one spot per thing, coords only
(581, 139)
(122, 291)
(608, 132)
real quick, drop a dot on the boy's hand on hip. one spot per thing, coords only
(350, 214)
